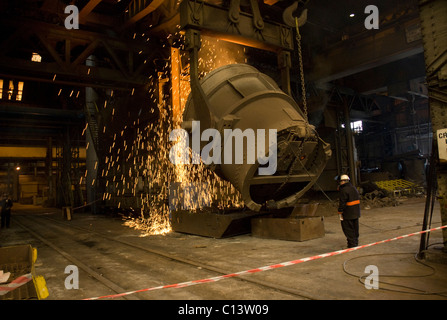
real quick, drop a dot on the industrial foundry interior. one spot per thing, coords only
(131, 111)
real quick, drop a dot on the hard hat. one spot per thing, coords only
(344, 177)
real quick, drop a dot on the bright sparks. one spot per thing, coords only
(141, 170)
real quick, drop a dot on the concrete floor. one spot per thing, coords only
(331, 278)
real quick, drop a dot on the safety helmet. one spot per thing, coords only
(344, 177)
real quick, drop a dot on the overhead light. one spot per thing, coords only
(352, 15)
(36, 57)
(17, 168)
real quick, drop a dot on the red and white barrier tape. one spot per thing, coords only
(270, 267)
(20, 281)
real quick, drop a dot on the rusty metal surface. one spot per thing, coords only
(288, 228)
(240, 97)
(241, 28)
(433, 16)
(211, 224)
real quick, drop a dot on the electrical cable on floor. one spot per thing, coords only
(377, 229)
(418, 291)
(437, 243)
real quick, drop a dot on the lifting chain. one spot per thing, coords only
(299, 163)
(299, 154)
(303, 87)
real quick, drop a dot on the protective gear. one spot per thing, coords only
(349, 211)
(351, 230)
(349, 204)
(344, 177)
(6, 205)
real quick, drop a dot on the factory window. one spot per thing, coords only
(18, 93)
(10, 89)
(356, 126)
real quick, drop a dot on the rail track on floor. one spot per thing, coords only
(69, 232)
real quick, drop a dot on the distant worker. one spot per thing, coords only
(349, 211)
(6, 211)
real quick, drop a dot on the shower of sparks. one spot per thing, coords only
(141, 170)
(215, 53)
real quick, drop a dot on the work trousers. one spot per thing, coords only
(6, 218)
(351, 230)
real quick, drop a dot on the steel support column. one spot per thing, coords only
(433, 16)
(49, 160)
(349, 143)
(91, 161)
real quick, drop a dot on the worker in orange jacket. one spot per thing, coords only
(349, 211)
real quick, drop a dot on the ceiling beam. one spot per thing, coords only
(377, 80)
(356, 55)
(138, 9)
(82, 36)
(83, 76)
(76, 73)
(13, 109)
(85, 11)
(52, 52)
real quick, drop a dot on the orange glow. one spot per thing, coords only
(170, 187)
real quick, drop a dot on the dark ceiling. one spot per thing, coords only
(338, 49)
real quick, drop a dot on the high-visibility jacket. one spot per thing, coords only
(349, 205)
